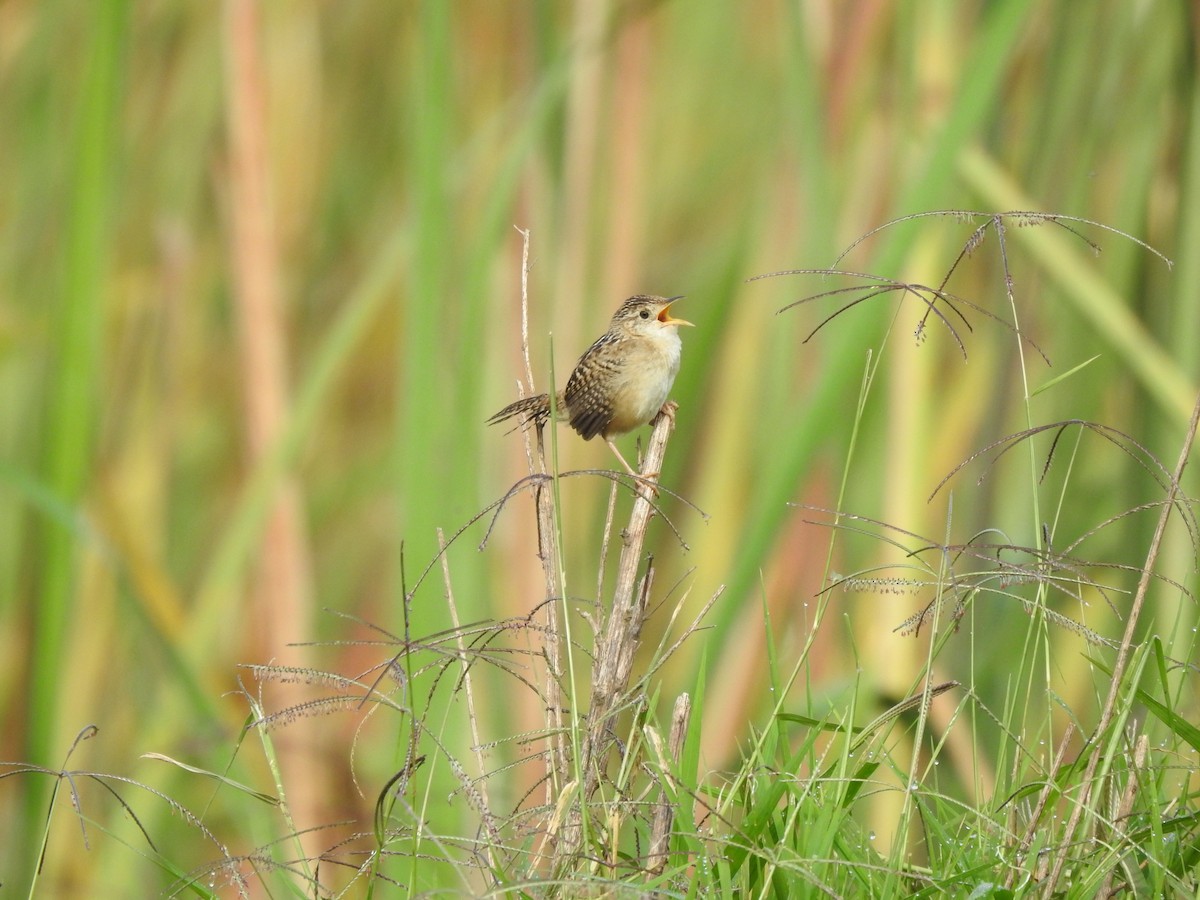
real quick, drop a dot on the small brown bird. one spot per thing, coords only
(621, 381)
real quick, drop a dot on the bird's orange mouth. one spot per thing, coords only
(667, 319)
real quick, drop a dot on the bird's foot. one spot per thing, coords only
(668, 410)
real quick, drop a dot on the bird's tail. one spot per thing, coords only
(534, 409)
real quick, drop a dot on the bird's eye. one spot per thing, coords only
(645, 314)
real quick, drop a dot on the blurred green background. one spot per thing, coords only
(260, 287)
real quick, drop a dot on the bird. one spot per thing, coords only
(621, 381)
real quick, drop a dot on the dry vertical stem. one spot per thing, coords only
(618, 635)
(664, 813)
(620, 631)
(558, 786)
(548, 554)
(552, 648)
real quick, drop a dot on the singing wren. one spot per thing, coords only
(621, 381)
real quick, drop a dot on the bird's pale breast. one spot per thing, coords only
(645, 381)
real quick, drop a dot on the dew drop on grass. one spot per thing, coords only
(871, 836)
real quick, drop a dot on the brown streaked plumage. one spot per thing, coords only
(621, 381)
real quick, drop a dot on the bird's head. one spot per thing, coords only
(647, 315)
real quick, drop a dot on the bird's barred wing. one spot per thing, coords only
(588, 395)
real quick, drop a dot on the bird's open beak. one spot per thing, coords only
(665, 315)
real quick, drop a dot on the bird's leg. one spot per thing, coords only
(651, 490)
(628, 467)
(668, 410)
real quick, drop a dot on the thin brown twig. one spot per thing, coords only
(525, 264)
(548, 554)
(606, 541)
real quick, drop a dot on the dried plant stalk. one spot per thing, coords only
(618, 634)
(556, 773)
(552, 637)
(622, 627)
(664, 813)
